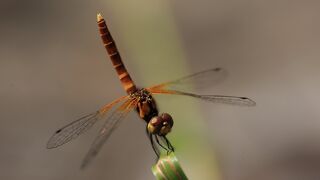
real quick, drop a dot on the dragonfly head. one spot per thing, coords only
(160, 125)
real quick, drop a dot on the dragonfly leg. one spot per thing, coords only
(159, 143)
(153, 146)
(171, 148)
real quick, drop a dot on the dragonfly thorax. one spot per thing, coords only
(146, 105)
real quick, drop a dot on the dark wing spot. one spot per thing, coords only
(217, 69)
(58, 131)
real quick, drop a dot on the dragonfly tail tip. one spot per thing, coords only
(99, 17)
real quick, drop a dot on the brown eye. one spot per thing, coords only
(167, 118)
(154, 125)
(160, 125)
(155, 121)
(166, 124)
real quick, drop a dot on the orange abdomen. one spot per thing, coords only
(114, 55)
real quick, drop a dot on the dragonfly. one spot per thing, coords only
(141, 99)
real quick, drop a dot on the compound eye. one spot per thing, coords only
(167, 118)
(167, 123)
(154, 125)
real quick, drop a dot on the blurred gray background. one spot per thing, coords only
(53, 69)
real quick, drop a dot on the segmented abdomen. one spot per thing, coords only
(114, 55)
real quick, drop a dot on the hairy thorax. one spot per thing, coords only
(146, 106)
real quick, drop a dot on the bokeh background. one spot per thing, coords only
(53, 69)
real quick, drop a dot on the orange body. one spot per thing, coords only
(114, 55)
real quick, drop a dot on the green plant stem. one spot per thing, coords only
(168, 168)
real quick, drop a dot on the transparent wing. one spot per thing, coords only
(72, 130)
(200, 80)
(79, 126)
(232, 100)
(112, 122)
